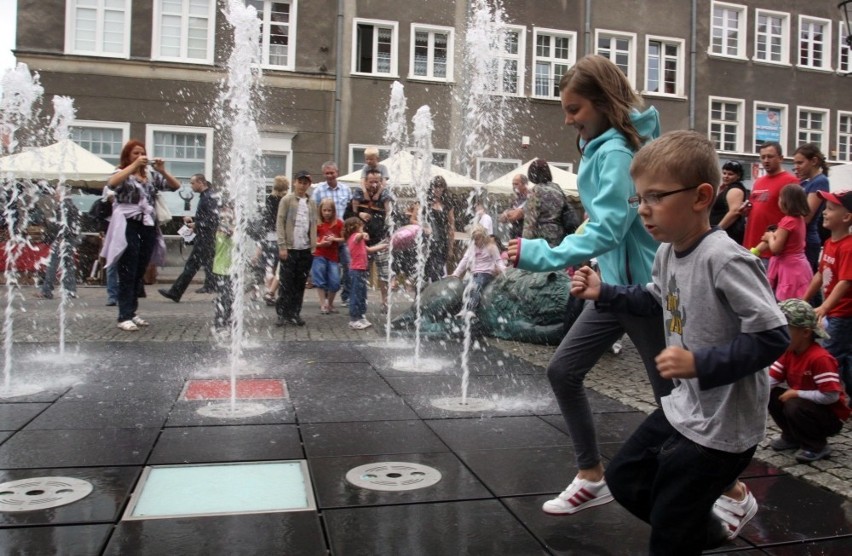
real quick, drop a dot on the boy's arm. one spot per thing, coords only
(744, 356)
(634, 299)
(841, 290)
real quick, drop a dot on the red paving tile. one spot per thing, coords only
(247, 389)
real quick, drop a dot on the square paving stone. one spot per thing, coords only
(825, 547)
(245, 534)
(334, 491)
(102, 415)
(369, 438)
(227, 443)
(469, 527)
(70, 540)
(610, 427)
(792, 510)
(497, 432)
(14, 416)
(342, 405)
(159, 391)
(522, 471)
(4, 435)
(185, 413)
(76, 448)
(111, 487)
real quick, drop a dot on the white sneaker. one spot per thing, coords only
(734, 514)
(128, 326)
(139, 321)
(365, 324)
(579, 495)
(356, 325)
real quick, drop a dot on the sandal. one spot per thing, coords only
(128, 326)
(324, 310)
(139, 321)
(269, 298)
(332, 309)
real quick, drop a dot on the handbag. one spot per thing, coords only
(161, 210)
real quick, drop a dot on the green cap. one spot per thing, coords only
(799, 313)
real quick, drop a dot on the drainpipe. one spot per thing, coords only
(588, 28)
(338, 85)
(693, 45)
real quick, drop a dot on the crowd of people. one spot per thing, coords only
(738, 302)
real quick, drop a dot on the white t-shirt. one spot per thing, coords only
(301, 233)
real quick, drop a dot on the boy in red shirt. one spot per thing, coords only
(834, 279)
(813, 406)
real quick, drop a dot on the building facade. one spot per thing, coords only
(742, 72)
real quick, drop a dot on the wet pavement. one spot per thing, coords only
(117, 403)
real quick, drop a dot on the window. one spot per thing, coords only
(186, 150)
(276, 160)
(728, 30)
(772, 37)
(431, 53)
(844, 136)
(98, 27)
(770, 124)
(277, 32)
(489, 169)
(664, 66)
(183, 30)
(509, 63)
(812, 127)
(618, 47)
(374, 51)
(555, 52)
(814, 41)
(440, 157)
(104, 139)
(726, 124)
(844, 53)
(567, 166)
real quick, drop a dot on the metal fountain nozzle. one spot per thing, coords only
(186, 194)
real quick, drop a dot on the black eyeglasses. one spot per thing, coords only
(652, 199)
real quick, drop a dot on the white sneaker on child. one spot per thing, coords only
(734, 514)
(579, 495)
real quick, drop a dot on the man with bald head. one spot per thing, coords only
(515, 215)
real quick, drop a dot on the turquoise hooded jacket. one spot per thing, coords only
(614, 233)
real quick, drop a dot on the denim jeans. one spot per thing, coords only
(840, 346)
(670, 482)
(480, 280)
(357, 294)
(343, 259)
(112, 283)
(68, 274)
(325, 274)
(224, 302)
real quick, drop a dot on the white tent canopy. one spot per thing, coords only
(840, 177)
(566, 180)
(62, 160)
(400, 168)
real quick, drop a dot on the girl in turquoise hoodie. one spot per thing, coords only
(600, 104)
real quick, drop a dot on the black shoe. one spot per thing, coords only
(281, 321)
(111, 303)
(297, 321)
(204, 290)
(169, 295)
(142, 293)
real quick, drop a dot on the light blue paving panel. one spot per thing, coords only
(221, 489)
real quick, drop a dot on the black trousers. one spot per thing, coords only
(201, 256)
(293, 275)
(803, 421)
(132, 265)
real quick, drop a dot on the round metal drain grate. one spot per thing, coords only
(393, 476)
(40, 493)
(469, 404)
(19, 390)
(241, 410)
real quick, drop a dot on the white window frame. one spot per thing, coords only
(631, 49)
(265, 31)
(784, 117)
(550, 60)
(681, 62)
(432, 30)
(150, 129)
(394, 61)
(826, 42)
(742, 27)
(844, 155)
(785, 37)
(387, 149)
(501, 57)
(508, 161)
(71, 31)
(567, 166)
(275, 144)
(100, 124)
(157, 34)
(740, 122)
(843, 50)
(824, 143)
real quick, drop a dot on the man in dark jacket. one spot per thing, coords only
(205, 224)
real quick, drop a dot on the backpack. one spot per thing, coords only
(101, 210)
(568, 217)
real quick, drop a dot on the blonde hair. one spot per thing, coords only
(280, 186)
(685, 157)
(479, 235)
(371, 151)
(325, 202)
(598, 80)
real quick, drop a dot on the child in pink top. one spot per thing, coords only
(483, 260)
(325, 269)
(789, 271)
(356, 241)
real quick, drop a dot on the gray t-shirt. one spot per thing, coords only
(710, 295)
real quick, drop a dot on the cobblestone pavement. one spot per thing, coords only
(618, 376)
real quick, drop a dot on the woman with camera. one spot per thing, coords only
(133, 238)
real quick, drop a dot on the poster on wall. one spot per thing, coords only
(767, 126)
